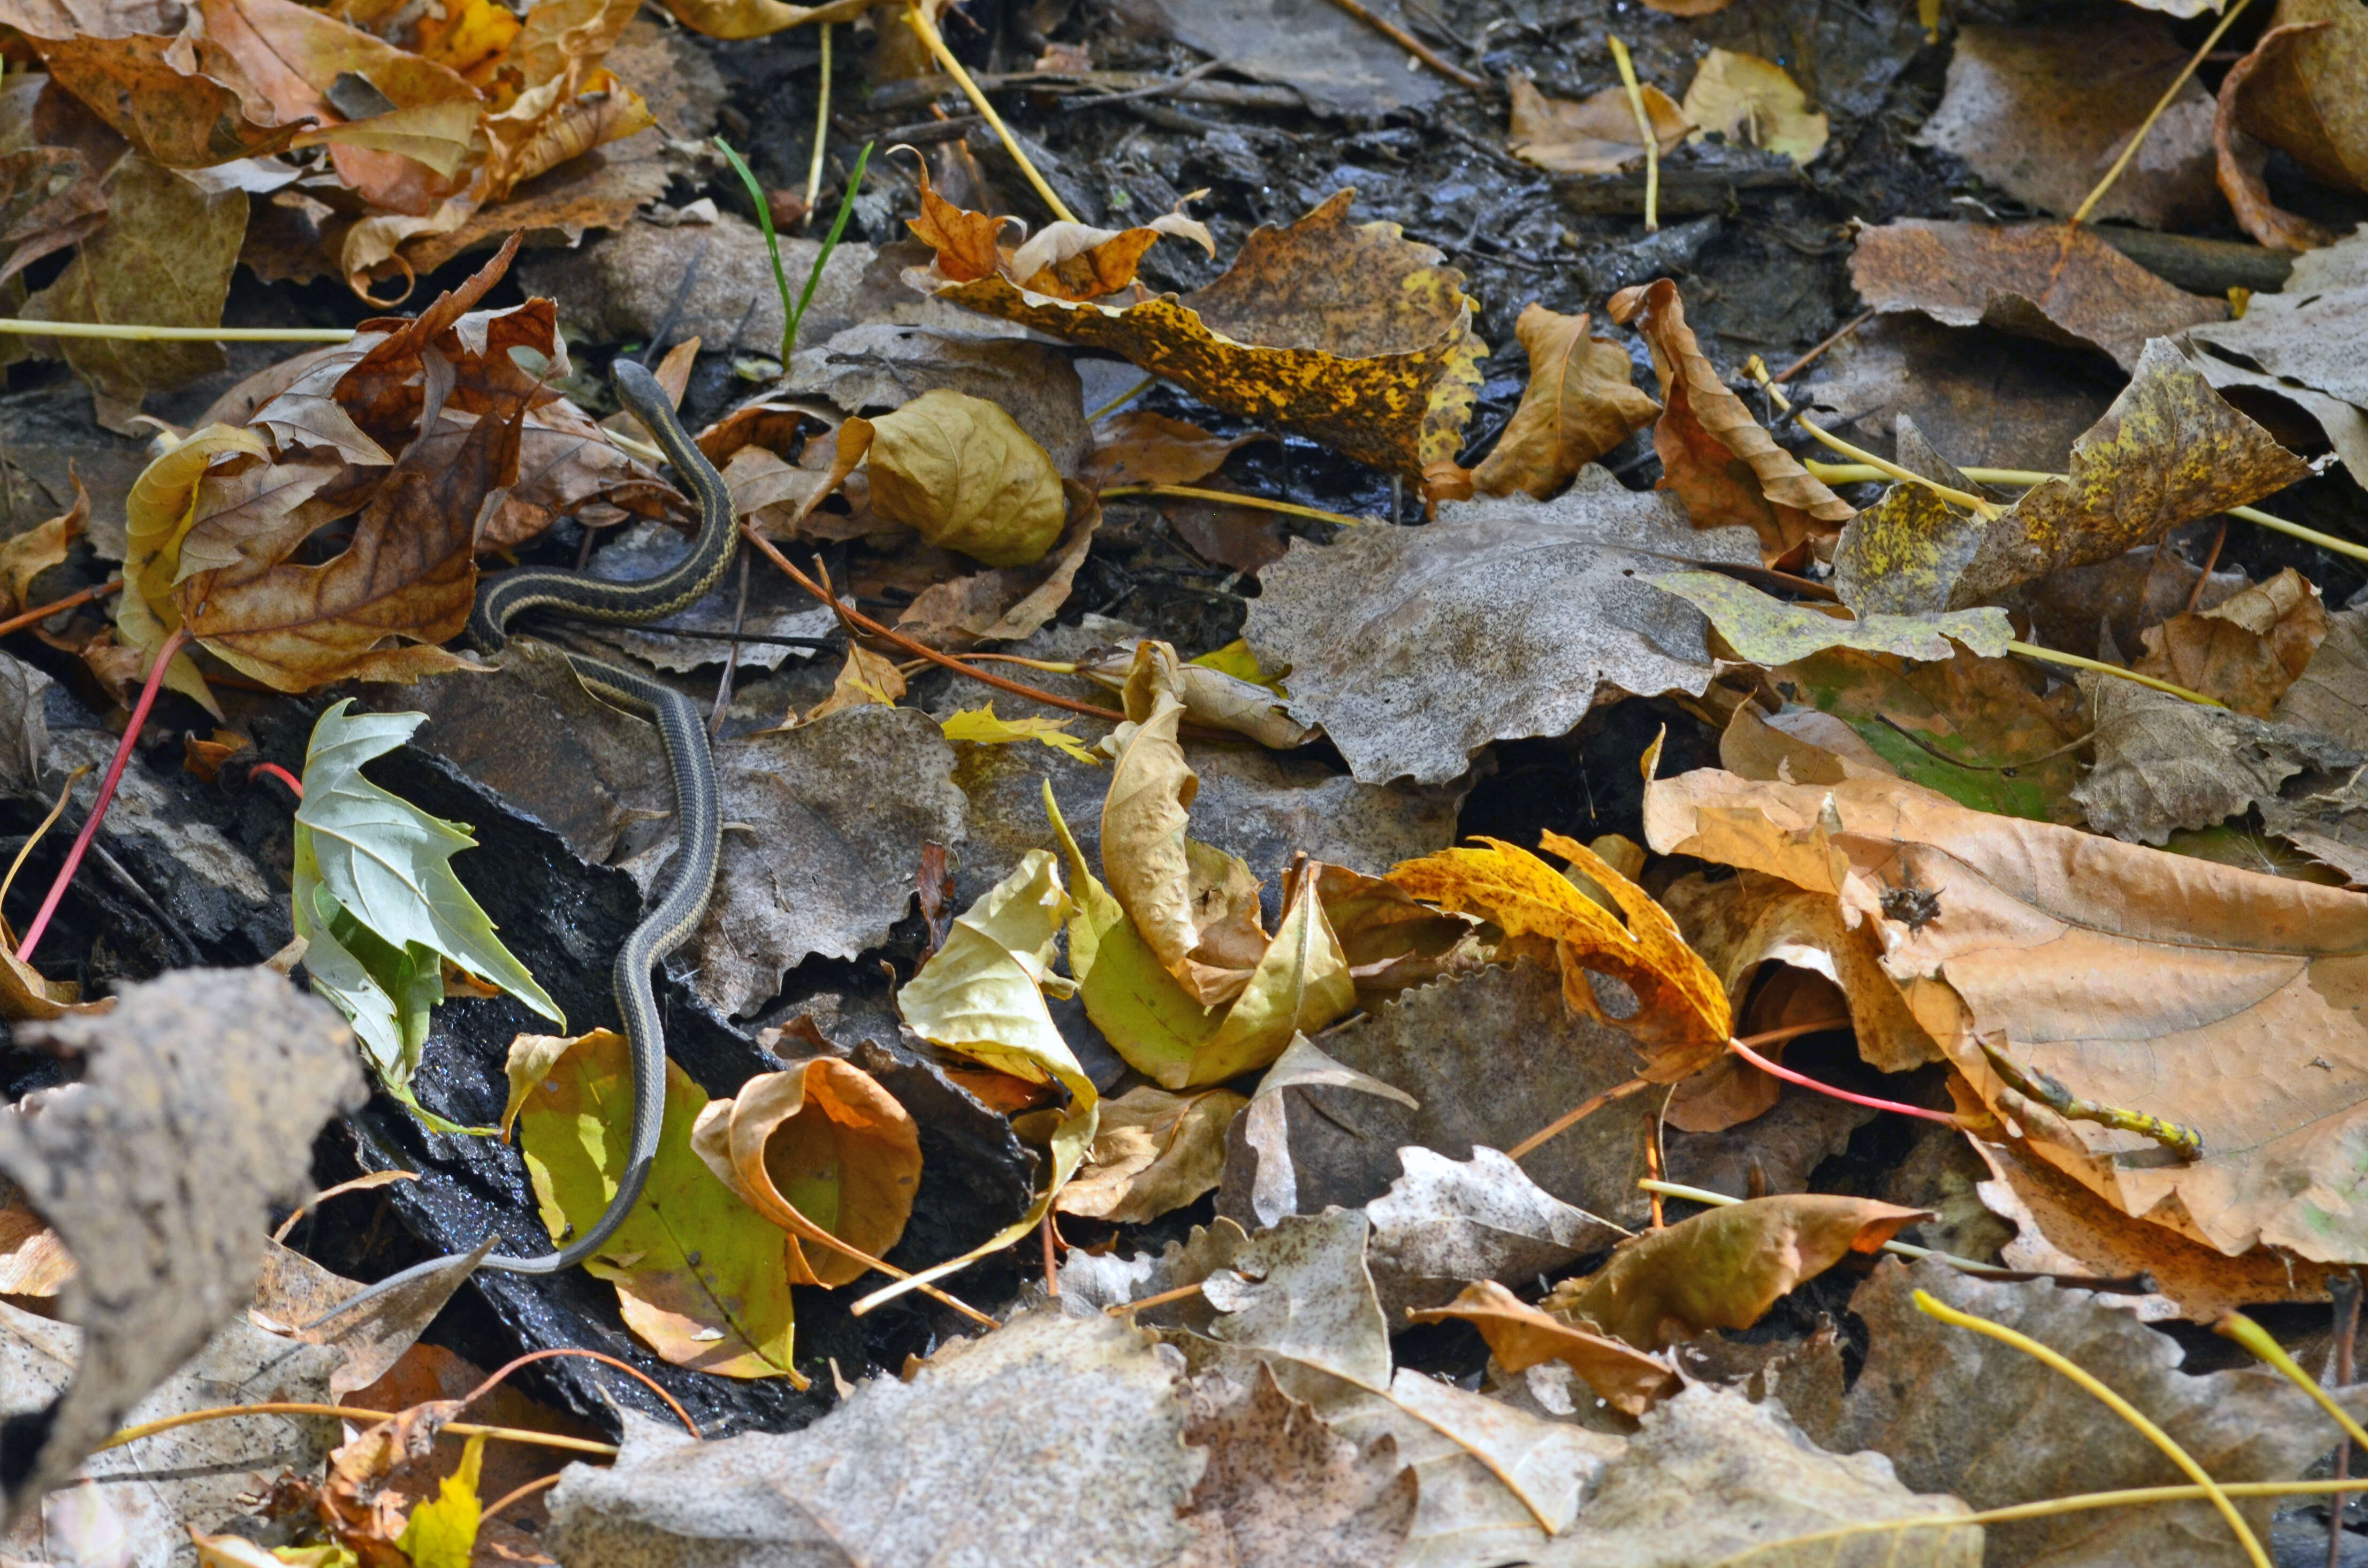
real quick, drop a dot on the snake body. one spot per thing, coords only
(681, 901)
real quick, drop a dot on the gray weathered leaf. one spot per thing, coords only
(1446, 1224)
(2166, 763)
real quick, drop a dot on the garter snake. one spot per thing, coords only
(682, 896)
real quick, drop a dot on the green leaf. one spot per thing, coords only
(443, 1534)
(376, 900)
(700, 1276)
(1766, 630)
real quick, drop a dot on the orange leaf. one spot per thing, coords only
(1521, 1336)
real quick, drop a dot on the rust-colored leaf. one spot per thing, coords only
(2246, 650)
(1715, 456)
(2239, 158)
(1143, 447)
(1580, 402)
(1596, 135)
(2306, 98)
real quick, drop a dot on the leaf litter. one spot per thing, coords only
(1387, 925)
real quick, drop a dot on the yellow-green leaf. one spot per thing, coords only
(1766, 630)
(979, 726)
(443, 1533)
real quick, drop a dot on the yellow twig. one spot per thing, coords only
(131, 334)
(1985, 510)
(47, 822)
(1864, 473)
(918, 14)
(351, 1412)
(1644, 129)
(2049, 656)
(822, 131)
(2161, 1440)
(2138, 140)
(1897, 1249)
(1257, 502)
(1122, 398)
(2255, 1338)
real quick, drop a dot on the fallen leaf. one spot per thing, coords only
(1579, 404)
(703, 1277)
(1219, 698)
(1544, 596)
(1680, 1020)
(1349, 335)
(1779, 1498)
(892, 1473)
(1754, 102)
(2245, 650)
(1336, 63)
(376, 900)
(1446, 1221)
(2170, 451)
(1521, 1336)
(822, 1150)
(2330, 696)
(2164, 763)
(1140, 447)
(962, 472)
(1280, 1484)
(1768, 631)
(1234, 535)
(1904, 554)
(865, 678)
(979, 726)
(2295, 335)
(1004, 604)
(879, 366)
(181, 103)
(2041, 112)
(1715, 456)
(2052, 281)
(2302, 102)
(26, 556)
(1391, 942)
(1724, 1269)
(2239, 161)
(443, 1533)
(165, 259)
(1488, 1058)
(1596, 135)
(2172, 987)
(1154, 1152)
(1956, 1411)
(197, 1110)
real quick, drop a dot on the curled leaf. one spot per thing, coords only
(963, 473)
(1521, 1336)
(1580, 402)
(1154, 1152)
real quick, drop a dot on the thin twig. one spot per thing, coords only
(2075, 661)
(2211, 559)
(2080, 215)
(822, 131)
(1912, 738)
(353, 1413)
(1414, 45)
(1643, 130)
(917, 15)
(1156, 89)
(1122, 398)
(165, 656)
(134, 333)
(1986, 510)
(1805, 360)
(64, 794)
(731, 650)
(74, 601)
(1572, 1118)
(494, 1380)
(1256, 503)
(541, 1482)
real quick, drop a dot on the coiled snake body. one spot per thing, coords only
(682, 899)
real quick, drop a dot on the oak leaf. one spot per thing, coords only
(1348, 333)
(1715, 456)
(1579, 404)
(1596, 135)
(824, 1152)
(1724, 1268)
(2161, 984)
(703, 1277)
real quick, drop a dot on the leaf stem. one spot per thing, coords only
(822, 129)
(48, 822)
(273, 770)
(1256, 503)
(72, 601)
(165, 656)
(917, 13)
(1985, 510)
(1644, 129)
(2137, 139)
(1413, 45)
(2255, 1338)
(1122, 398)
(1778, 1070)
(494, 1380)
(2049, 656)
(353, 1413)
(1932, 1307)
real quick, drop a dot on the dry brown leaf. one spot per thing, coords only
(1580, 402)
(1004, 603)
(1754, 102)
(1594, 136)
(1153, 1152)
(2164, 763)
(2052, 281)
(1521, 1336)
(2246, 650)
(1139, 447)
(824, 1152)
(2305, 99)
(2041, 112)
(1348, 333)
(2168, 451)
(1715, 456)
(962, 473)
(2239, 159)
(866, 677)
(29, 555)
(183, 104)
(2157, 983)
(1724, 1268)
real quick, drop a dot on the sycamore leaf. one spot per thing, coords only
(1682, 1019)
(1766, 630)
(700, 1276)
(979, 726)
(1724, 1268)
(1521, 1336)
(825, 1153)
(443, 1533)
(1581, 404)
(375, 896)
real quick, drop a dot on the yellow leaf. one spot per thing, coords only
(38, 547)
(443, 1534)
(963, 472)
(1683, 1020)
(1235, 659)
(158, 514)
(865, 677)
(1746, 98)
(979, 726)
